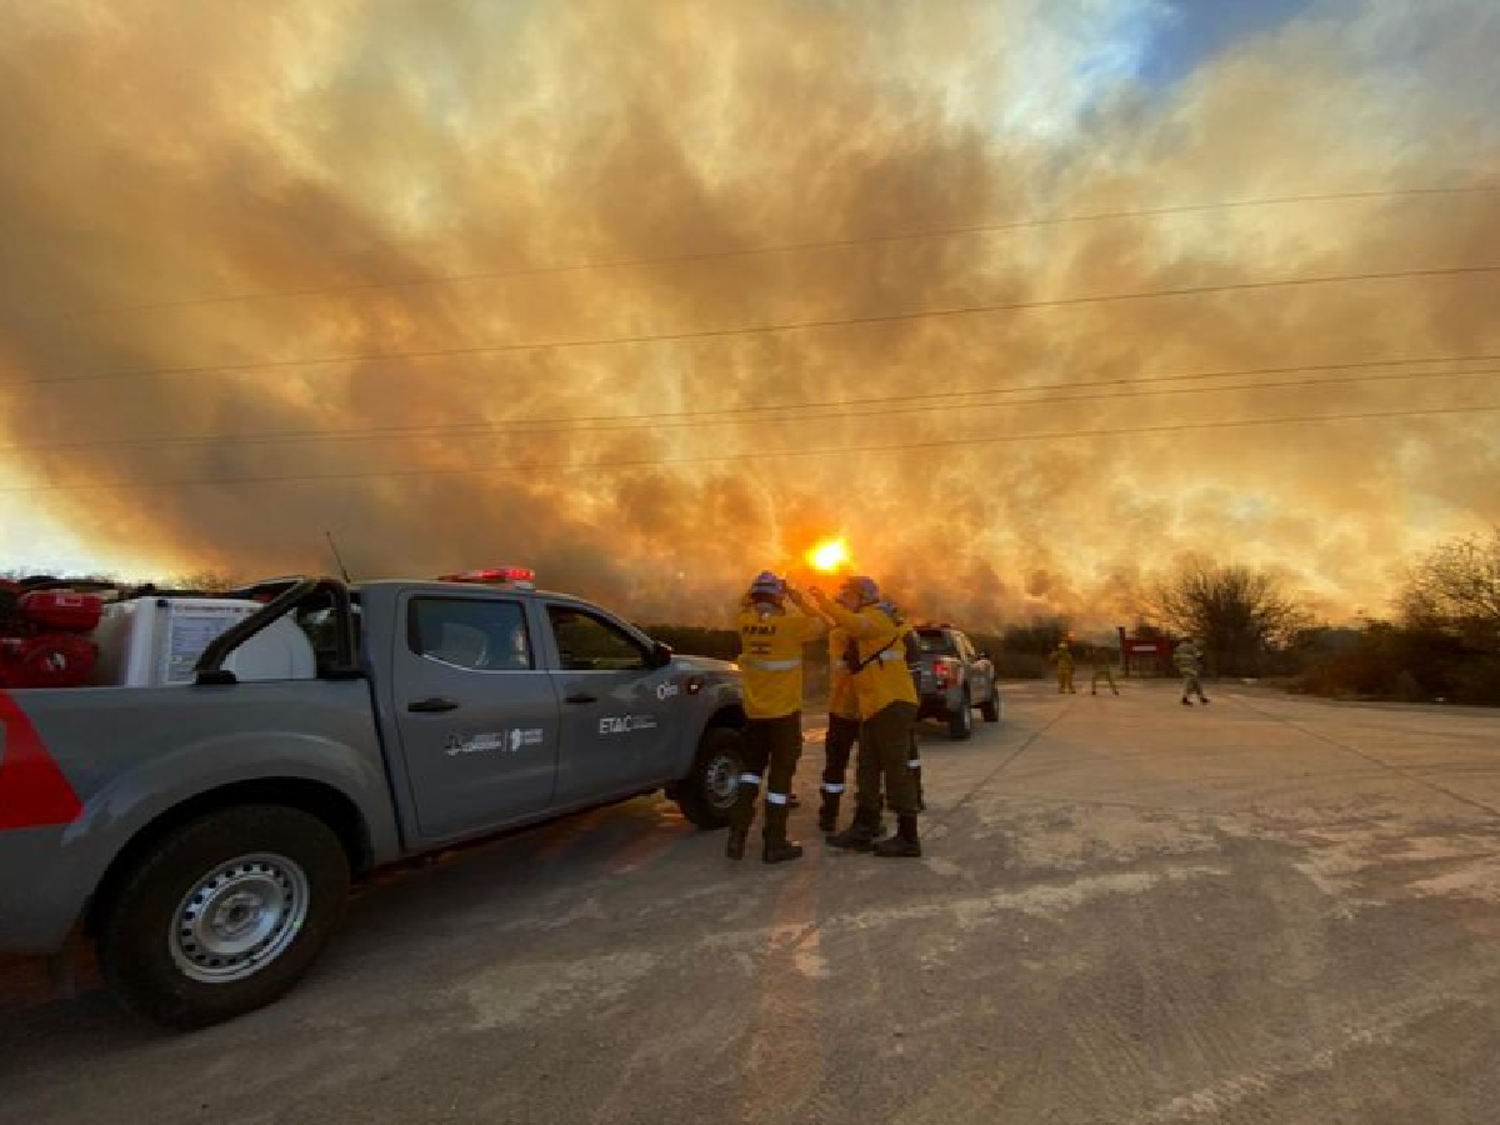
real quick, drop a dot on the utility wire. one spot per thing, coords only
(789, 247)
(755, 330)
(769, 455)
(464, 430)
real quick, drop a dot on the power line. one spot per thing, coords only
(756, 330)
(788, 247)
(636, 423)
(727, 458)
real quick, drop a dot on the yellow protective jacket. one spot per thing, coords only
(771, 660)
(1063, 658)
(885, 679)
(841, 698)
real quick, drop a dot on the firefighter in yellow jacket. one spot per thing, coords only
(1062, 656)
(887, 703)
(843, 730)
(771, 638)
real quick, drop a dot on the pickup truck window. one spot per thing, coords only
(937, 641)
(590, 644)
(480, 635)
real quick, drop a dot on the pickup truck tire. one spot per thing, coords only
(223, 915)
(707, 794)
(961, 721)
(990, 708)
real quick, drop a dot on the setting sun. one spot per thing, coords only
(829, 556)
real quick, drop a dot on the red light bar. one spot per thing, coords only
(496, 574)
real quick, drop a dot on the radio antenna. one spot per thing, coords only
(338, 558)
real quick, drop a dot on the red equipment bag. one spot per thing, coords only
(63, 610)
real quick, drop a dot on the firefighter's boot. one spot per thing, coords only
(741, 817)
(828, 814)
(778, 848)
(859, 836)
(904, 844)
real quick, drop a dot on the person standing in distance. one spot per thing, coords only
(771, 640)
(887, 708)
(1189, 660)
(1062, 656)
(1101, 660)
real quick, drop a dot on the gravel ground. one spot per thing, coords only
(1264, 910)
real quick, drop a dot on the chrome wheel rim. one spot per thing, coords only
(239, 918)
(723, 780)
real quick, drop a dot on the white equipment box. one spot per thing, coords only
(149, 642)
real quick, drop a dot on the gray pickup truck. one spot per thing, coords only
(206, 833)
(953, 677)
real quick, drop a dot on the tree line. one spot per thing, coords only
(1441, 640)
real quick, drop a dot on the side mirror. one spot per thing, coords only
(661, 655)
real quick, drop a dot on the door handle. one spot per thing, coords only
(582, 697)
(433, 703)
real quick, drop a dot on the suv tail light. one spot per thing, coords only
(946, 670)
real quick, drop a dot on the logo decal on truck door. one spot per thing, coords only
(489, 742)
(624, 724)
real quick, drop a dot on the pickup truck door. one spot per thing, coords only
(617, 709)
(476, 712)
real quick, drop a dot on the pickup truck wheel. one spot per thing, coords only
(961, 721)
(990, 708)
(224, 915)
(707, 794)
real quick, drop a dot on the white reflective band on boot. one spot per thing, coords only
(830, 788)
(914, 764)
(772, 665)
(776, 798)
(749, 779)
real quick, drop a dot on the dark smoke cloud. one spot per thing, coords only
(172, 152)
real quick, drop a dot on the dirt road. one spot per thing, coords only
(1265, 910)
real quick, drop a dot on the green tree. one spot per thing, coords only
(1455, 589)
(1240, 616)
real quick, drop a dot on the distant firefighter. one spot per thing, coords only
(1189, 660)
(1062, 656)
(1101, 660)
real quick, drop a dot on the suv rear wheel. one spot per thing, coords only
(990, 708)
(961, 721)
